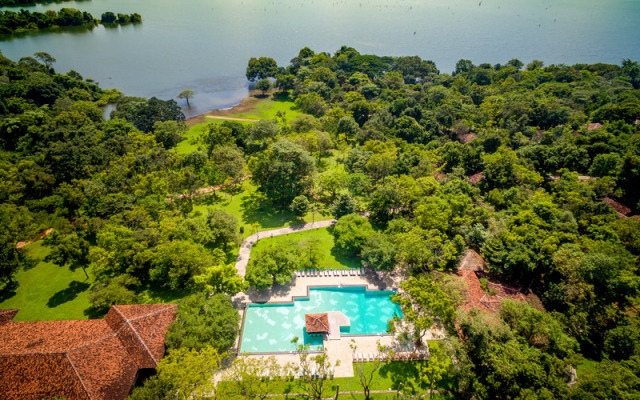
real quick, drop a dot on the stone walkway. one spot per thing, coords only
(245, 249)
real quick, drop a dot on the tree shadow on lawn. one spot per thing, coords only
(399, 371)
(68, 294)
(346, 260)
(257, 209)
(8, 291)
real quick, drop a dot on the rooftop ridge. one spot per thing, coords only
(128, 322)
(75, 371)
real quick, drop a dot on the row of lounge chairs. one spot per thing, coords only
(314, 374)
(305, 273)
(401, 356)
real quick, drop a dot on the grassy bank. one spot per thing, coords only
(251, 108)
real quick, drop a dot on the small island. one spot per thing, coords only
(27, 21)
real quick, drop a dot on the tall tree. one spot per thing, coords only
(283, 171)
(186, 94)
(261, 68)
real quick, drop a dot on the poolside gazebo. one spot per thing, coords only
(317, 323)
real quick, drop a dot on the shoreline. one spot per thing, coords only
(245, 105)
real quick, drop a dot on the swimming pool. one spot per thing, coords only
(271, 327)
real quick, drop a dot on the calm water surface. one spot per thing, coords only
(205, 44)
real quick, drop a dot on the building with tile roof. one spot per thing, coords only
(89, 360)
(317, 323)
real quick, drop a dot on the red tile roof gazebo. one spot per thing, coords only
(317, 323)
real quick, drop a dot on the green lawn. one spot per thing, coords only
(390, 376)
(329, 255)
(47, 291)
(262, 109)
(252, 209)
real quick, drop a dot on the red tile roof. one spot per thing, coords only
(7, 316)
(317, 323)
(91, 359)
(464, 139)
(477, 297)
(594, 126)
(622, 210)
(475, 178)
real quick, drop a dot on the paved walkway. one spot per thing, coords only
(245, 249)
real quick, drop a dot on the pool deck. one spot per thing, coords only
(336, 348)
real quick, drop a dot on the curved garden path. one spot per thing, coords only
(245, 249)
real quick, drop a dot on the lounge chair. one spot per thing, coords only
(352, 272)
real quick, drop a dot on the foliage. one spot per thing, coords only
(283, 171)
(202, 321)
(183, 374)
(421, 301)
(252, 378)
(274, 265)
(261, 68)
(350, 232)
(186, 94)
(300, 206)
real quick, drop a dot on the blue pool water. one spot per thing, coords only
(271, 327)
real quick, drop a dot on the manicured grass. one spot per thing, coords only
(268, 108)
(330, 257)
(253, 210)
(47, 291)
(391, 376)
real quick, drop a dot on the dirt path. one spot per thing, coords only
(213, 188)
(232, 119)
(41, 236)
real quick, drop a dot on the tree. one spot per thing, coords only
(223, 227)
(186, 94)
(108, 18)
(314, 371)
(428, 249)
(221, 278)
(72, 250)
(283, 171)
(119, 290)
(300, 206)
(421, 301)
(253, 378)
(350, 233)
(261, 68)
(145, 113)
(263, 85)
(169, 133)
(204, 321)
(378, 252)
(183, 374)
(344, 205)
(367, 372)
(274, 264)
(45, 58)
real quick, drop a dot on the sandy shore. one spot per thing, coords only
(245, 105)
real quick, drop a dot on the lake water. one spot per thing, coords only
(205, 44)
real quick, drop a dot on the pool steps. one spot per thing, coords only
(308, 273)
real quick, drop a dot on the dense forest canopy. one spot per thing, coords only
(532, 166)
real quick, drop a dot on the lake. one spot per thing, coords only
(204, 45)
